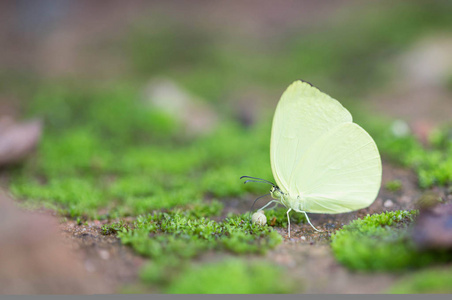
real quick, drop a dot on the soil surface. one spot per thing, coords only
(94, 257)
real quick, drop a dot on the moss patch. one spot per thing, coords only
(87, 166)
(381, 242)
(172, 238)
(185, 235)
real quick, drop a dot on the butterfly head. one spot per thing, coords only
(275, 192)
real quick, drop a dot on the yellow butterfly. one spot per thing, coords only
(322, 162)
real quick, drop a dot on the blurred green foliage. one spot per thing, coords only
(394, 185)
(85, 163)
(432, 163)
(349, 56)
(234, 276)
(429, 281)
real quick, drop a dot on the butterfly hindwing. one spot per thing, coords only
(341, 172)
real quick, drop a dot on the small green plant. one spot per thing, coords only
(114, 228)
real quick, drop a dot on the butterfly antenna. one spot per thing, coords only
(257, 180)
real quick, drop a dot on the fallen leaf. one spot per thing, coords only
(273, 222)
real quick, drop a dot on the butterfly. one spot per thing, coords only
(321, 161)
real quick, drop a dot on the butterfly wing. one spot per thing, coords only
(341, 171)
(302, 116)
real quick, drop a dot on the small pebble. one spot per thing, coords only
(388, 203)
(104, 254)
(259, 218)
(89, 267)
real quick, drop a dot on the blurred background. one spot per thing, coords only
(112, 109)
(233, 53)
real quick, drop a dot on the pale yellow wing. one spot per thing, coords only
(303, 115)
(341, 172)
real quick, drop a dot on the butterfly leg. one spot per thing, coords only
(288, 221)
(276, 205)
(309, 221)
(270, 202)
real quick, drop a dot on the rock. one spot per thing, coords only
(17, 140)
(388, 203)
(428, 200)
(34, 260)
(196, 115)
(433, 227)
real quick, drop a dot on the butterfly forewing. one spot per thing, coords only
(303, 115)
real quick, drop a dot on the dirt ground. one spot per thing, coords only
(93, 257)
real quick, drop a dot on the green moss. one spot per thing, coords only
(430, 281)
(233, 276)
(394, 185)
(381, 242)
(186, 235)
(171, 238)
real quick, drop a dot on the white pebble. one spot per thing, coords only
(104, 254)
(259, 218)
(388, 203)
